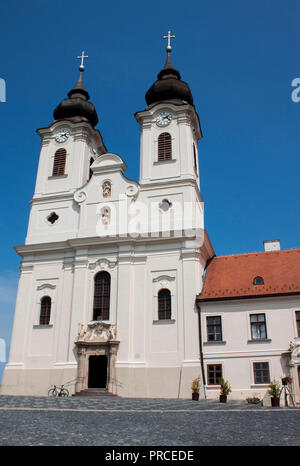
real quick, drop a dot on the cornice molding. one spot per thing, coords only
(46, 285)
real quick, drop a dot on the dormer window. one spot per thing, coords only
(164, 147)
(258, 281)
(59, 162)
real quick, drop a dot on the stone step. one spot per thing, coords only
(94, 392)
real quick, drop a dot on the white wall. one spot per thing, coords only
(238, 353)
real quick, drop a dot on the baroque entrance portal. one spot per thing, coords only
(97, 352)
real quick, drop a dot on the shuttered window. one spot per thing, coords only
(45, 310)
(164, 305)
(164, 147)
(59, 162)
(101, 296)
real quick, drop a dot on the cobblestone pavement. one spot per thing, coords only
(117, 421)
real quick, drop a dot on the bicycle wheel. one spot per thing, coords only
(65, 392)
(52, 392)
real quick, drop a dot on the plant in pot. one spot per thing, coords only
(286, 380)
(225, 390)
(274, 392)
(195, 389)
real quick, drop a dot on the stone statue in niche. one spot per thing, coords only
(105, 215)
(106, 189)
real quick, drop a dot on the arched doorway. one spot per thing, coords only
(97, 371)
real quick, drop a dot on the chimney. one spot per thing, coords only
(273, 245)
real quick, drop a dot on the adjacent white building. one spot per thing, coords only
(111, 291)
(250, 318)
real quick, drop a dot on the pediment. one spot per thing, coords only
(106, 162)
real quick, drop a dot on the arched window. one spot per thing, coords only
(164, 304)
(45, 310)
(164, 147)
(195, 159)
(59, 162)
(258, 281)
(91, 171)
(101, 296)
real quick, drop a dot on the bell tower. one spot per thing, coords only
(170, 129)
(69, 145)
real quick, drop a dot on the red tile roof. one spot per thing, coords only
(231, 277)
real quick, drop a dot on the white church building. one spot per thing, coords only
(120, 289)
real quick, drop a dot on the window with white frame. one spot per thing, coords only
(258, 326)
(261, 372)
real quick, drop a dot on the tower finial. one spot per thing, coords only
(82, 57)
(169, 37)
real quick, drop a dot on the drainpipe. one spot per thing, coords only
(200, 348)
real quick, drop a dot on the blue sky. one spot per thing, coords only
(239, 58)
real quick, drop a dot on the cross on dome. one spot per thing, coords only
(82, 57)
(169, 37)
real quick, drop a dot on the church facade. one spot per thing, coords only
(120, 288)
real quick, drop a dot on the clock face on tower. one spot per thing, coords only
(163, 118)
(62, 136)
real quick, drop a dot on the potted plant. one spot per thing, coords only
(195, 389)
(225, 390)
(253, 400)
(274, 392)
(286, 380)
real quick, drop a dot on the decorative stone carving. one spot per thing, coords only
(106, 189)
(96, 332)
(105, 215)
(163, 280)
(80, 196)
(295, 351)
(104, 264)
(132, 191)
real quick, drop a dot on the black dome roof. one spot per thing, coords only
(169, 86)
(77, 105)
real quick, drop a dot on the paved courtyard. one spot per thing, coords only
(113, 421)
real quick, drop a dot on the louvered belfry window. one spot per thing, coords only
(164, 147)
(45, 310)
(164, 304)
(59, 162)
(101, 296)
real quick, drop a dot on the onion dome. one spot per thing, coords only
(169, 86)
(77, 105)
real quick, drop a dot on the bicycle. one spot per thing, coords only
(58, 391)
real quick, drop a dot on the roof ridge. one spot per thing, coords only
(257, 252)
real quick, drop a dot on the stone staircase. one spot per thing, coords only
(94, 392)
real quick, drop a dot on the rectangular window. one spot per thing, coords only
(214, 373)
(298, 322)
(214, 328)
(261, 372)
(258, 326)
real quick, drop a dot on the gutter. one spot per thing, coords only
(200, 348)
(200, 329)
